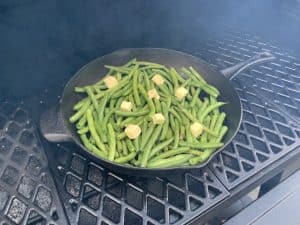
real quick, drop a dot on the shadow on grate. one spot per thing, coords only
(92, 194)
(27, 192)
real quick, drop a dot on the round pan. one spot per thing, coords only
(55, 125)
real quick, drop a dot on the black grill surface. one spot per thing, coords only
(27, 191)
(270, 96)
(90, 194)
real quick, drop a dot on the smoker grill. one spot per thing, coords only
(43, 183)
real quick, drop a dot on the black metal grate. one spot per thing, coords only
(92, 194)
(270, 96)
(27, 191)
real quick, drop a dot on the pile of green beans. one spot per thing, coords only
(101, 122)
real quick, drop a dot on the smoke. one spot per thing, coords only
(44, 43)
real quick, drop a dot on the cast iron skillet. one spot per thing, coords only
(55, 126)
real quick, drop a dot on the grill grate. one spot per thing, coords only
(270, 97)
(27, 191)
(92, 194)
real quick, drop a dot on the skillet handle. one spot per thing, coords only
(53, 128)
(232, 71)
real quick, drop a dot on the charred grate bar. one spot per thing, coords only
(93, 195)
(27, 191)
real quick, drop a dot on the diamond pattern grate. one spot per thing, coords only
(92, 194)
(270, 96)
(27, 191)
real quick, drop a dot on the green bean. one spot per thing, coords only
(119, 76)
(169, 133)
(79, 113)
(147, 80)
(102, 105)
(174, 72)
(119, 147)
(91, 147)
(197, 75)
(186, 113)
(166, 123)
(210, 132)
(131, 120)
(144, 126)
(194, 113)
(130, 62)
(111, 142)
(92, 97)
(79, 104)
(119, 102)
(105, 120)
(100, 132)
(83, 130)
(189, 137)
(149, 146)
(204, 136)
(144, 63)
(149, 101)
(176, 135)
(160, 146)
(209, 109)
(79, 89)
(130, 146)
(172, 123)
(218, 125)
(131, 99)
(219, 122)
(177, 160)
(146, 135)
(182, 132)
(207, 88)
(195, 152)
(117, 155)
(186, 82)
(162, 73)
(93, 131)
(213, 123)
(126, 158)
(213, 101)
(82, 122)
(203, 107)
(164, 90)
(157, 105)
(207, 153)
(132, 114)
(135, 89)
(136, 143)
(170, 153)
(175, 114)
(195, 97)
(174, 78)
(124, 148)
(201, 145)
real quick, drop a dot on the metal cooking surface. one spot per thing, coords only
(270, 96)
(27, 191)
(92, 195)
